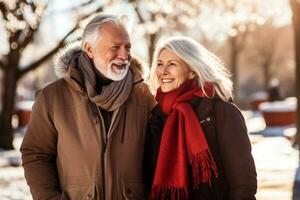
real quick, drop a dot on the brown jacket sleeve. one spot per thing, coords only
(235, 151)
(39, 153)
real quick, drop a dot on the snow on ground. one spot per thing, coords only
(12, 183)
(288, 105)
(275, 159)
(276, 162)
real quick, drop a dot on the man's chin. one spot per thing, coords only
(118, 71)
(115, 76)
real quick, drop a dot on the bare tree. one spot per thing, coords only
(295, 5)
(236, 42)
(262, 49)
(158, 18)
(239, 20)
(22, 19)
(241, 17)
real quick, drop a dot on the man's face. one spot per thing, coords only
(111, 54)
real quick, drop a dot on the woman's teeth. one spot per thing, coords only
(166, 80)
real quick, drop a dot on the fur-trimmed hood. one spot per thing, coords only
(63, 60)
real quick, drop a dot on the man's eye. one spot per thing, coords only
(115, 47)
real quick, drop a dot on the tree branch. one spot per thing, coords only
(31, 31)
(37, 63)
(86, 3)
(3, 10)
(75, 8)
(82, 17)
(29, 36)
(14, 11)
(138, 13)
(14, 38)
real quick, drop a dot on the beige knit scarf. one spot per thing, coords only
(113, 95)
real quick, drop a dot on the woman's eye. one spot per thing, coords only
(159, 65)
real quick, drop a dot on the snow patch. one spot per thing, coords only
(288, 105)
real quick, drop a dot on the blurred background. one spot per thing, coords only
(258, 41)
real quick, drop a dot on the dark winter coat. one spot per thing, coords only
(226, 133)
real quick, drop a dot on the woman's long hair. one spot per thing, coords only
(205, 64)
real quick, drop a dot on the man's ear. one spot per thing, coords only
(89, 50)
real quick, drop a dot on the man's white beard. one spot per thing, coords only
(112, 72)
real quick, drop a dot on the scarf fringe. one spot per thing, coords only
(167, 192)
(202, 166)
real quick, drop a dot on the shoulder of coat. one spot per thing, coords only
(142, 95)
(53, 88)
(227, 109)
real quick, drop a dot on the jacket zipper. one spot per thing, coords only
(124, 124)
(104, 139)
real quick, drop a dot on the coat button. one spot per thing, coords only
(208, 119)
(88, 196)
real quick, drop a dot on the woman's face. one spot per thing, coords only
(171, 71)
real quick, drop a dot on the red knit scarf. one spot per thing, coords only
(182, 144)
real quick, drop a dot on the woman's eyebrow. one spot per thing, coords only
(174, 61)
(168, 61)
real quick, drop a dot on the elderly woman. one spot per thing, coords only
(197, 145)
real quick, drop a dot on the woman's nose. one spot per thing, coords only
(164, 69)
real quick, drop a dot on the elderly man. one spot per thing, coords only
(86, 135)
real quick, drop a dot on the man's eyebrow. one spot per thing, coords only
(120, 43)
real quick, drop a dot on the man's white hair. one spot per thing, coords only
(205, 64)
(92, 30)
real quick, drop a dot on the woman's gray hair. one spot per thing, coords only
(91, 32)
(205, 64)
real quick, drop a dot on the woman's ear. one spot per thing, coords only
(89, 50)
(192, 75)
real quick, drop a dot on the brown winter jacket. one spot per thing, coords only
(64, 152)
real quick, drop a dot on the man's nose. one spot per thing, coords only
(123, 54)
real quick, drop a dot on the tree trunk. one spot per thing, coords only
(295, 5)
(152, 40)
(233, 63)
(8, 102)
(266, 72)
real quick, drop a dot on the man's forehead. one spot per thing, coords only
(115, 32)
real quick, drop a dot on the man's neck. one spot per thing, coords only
(101, 81)
(100, 77)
